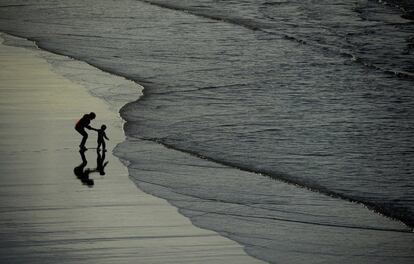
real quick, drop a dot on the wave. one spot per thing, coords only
(139, 164)
(406, 6)
(267, 28)
(388, 210)
(391, 211)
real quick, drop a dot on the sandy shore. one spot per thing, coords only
(47, 214)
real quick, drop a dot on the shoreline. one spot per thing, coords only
(332, 228)
(401, 216)
(47, 215)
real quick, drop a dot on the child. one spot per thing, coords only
(101, 136)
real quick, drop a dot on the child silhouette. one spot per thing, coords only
(101, 136)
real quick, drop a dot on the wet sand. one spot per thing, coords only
(47, 214)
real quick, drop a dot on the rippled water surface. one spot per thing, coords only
(319, 93)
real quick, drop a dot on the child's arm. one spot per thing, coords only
(105, 136)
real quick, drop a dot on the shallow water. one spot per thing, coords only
(316, 93)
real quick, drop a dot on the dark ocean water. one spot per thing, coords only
(316, 93)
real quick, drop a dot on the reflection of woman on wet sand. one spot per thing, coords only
(82, 173)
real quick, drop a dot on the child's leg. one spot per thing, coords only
(103, 145)
(99, 144)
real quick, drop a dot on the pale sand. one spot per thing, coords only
(47, 215)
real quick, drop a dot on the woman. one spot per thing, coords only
(81, 125)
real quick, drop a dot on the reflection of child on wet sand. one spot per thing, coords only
(101, 136)
(101, 163)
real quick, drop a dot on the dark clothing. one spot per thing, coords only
(80, 127)
(101, 135)
(83, 123)
(101, 140)
(84, 136)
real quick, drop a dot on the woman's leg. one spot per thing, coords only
(84, 137)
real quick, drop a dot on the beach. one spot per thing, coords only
(240, 131)
(47, 214)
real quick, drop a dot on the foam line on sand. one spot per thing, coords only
(47, 214)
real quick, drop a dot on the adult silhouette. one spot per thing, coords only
(81, 125)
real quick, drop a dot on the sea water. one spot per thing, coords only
(314, 93)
